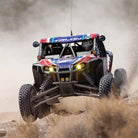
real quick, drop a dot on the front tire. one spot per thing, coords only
(105, 85)
(25, 94)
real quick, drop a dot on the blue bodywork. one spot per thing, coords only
(65, 63)
(67, 39)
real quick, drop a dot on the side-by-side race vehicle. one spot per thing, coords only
(69, 66)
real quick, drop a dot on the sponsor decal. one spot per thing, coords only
(67, 39)
(88, 37)
(65, 60)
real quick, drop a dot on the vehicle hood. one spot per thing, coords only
(65, 63)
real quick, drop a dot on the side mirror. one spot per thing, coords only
(36, 44)
(102, 38)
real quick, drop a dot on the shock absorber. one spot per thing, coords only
(45, 83)
(88, 78)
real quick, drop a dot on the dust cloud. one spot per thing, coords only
(22, 22)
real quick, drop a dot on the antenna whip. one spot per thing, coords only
(71, 17)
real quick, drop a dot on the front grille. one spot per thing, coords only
(66, 69)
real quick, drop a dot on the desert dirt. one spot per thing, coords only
(78, 112)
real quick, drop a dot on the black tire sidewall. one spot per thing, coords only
(105, 85)
(25, 102)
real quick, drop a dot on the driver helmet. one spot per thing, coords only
(87, 45)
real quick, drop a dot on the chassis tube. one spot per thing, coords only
(110, 54)
(86, 87)
(89, 95)
(50, 91)
(47, 100)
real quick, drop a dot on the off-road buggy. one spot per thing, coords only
(68, 66)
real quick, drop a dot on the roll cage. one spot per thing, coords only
(72, 48)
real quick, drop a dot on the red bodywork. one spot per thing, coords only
(45, 62)
(85, 59)
(43, 40)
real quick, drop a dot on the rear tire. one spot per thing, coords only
(105, 85)
(120, 78)
(25, 94)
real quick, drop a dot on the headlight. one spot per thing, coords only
(50, 69)
(46, 68)
(79, 66)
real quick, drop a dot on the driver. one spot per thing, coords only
(87, 45)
